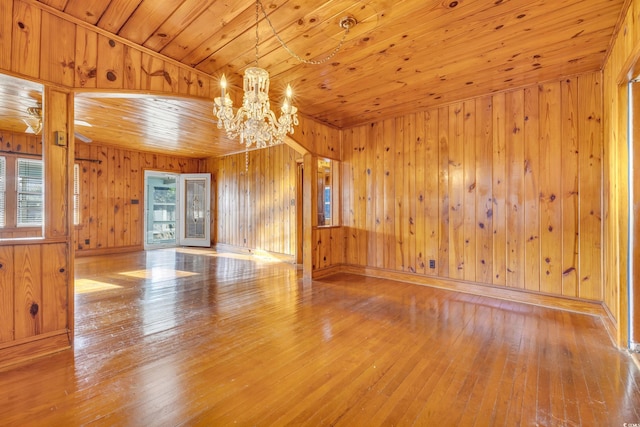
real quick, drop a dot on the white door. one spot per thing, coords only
(195, 209)
(161, 218)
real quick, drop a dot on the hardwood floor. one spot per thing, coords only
(190, 337)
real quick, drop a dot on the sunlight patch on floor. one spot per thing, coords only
(158, 273)
(85, 286)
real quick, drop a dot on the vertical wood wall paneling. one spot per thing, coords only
(262, 201)
(469, 190)
(56, 164)
(499, 186)
(28, 291)
(515, 189)
(25, 45)
(484, 202)
(57, 61)
(86, 58)
(456, 191)
(443, 192)
(616, 175)
(133, 69)
(431, 208)
(110, 63)
(570, 177)
(6, 28)
(379, 187)
(54, 287)
(6, 294)
(369, 195)
(361, 197)
(590, 164)
(486, 188)
(550, 189)
(389, 180)
(531, 189)
(419, 196)
(108, 219)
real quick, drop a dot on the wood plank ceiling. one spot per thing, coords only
(403, 55)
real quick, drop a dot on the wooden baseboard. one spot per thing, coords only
(108, 251)
(28, 349)
(319, 274)
(517, 295)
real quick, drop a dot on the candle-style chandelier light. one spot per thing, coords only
(254, 122)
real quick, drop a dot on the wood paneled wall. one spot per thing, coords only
(501, 190)
(40, 44)
(255, 205)
(622, 58)
(110, 179)
(319, 139)
(36, 290)
(33, 291)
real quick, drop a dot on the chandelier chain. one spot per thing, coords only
(258, 4)
(291, 52)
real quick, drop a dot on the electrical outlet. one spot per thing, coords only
(432, 263)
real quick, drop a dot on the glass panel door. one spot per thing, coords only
(195, 208)
(161, 218)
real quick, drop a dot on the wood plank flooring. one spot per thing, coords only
(194, 337)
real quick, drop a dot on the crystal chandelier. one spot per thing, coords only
(254, 122)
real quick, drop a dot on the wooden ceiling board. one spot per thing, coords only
(236, 56)
(16, 96)
(180, 126)
(206, 28)
(116, 15)
(403, 56)
(181, 19)
(146, 19)
(89, 11)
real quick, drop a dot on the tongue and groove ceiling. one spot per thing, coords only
(402, 56)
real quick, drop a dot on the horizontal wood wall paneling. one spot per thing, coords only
(491, 195)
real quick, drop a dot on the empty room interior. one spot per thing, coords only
(341, 212)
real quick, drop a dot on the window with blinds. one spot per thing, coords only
(30, 195)
(3, 190)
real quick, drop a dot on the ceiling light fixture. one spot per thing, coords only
(254, 122)
(34, 122)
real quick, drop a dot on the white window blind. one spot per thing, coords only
(3, 189)
(29, 192)
(76, 194)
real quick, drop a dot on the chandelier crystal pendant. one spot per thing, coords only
(254, 122)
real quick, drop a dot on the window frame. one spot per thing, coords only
(10, 230)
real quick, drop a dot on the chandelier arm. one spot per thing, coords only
(295, 55)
